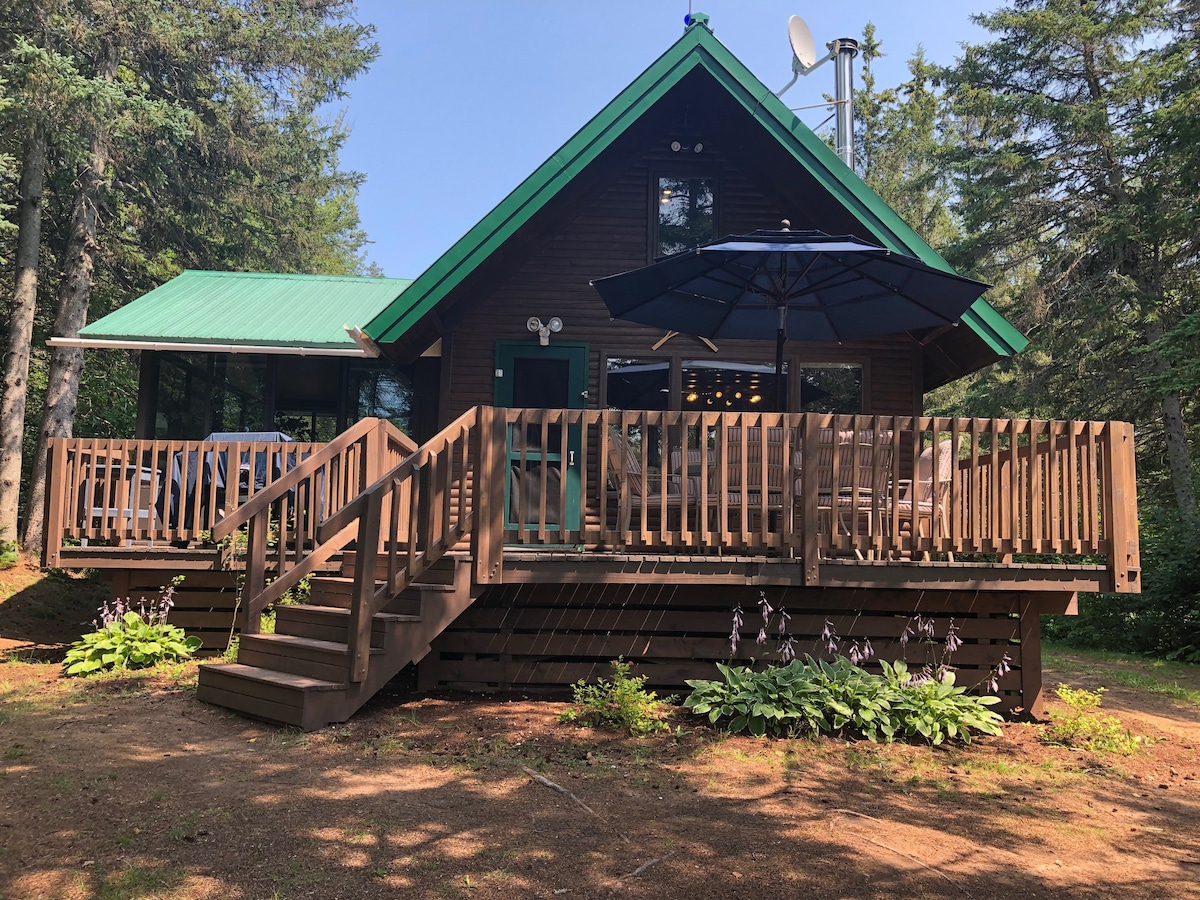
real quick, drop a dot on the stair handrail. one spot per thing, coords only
(255, 514)
(423, 547)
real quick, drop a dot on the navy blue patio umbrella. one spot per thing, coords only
(805, 284)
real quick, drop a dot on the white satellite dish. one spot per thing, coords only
(803, 45)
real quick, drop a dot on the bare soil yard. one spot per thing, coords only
(127, 787)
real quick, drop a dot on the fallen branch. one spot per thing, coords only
(646, 865)
(909, 856)
(541, 779)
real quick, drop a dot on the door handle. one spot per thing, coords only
(570, 458)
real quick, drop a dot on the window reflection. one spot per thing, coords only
(831, 389)
(685, 213)
(720, 386)
(638, 383)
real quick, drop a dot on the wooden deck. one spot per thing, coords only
(879, 514)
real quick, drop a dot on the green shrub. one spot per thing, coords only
(8, 552)
(127, 638)
(818, 697)
(623, 702)
(1081, 728)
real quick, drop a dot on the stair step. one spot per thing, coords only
(441, 571)
(264, 693)
(336, 590)
(331, 623)
(325, 660)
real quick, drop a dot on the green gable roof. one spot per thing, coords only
(697, 48)
(250, 308)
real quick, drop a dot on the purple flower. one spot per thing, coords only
(765, 608)
(830, 637)
(953, 641)
(762, 636)
(787, 649)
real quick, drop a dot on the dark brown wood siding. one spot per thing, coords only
(609, 231)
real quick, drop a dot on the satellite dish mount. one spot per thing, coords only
(804, 61)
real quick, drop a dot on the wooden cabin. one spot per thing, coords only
(532, 504)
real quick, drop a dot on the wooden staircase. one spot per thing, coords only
(329, 656)
(298, 675)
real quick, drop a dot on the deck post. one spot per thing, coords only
(362, 599)
(487, 497)
(52, 530)
(256, 570)
(1032, 697)
(809, 500)
(1126, 559)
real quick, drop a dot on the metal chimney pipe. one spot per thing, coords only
(845, 49)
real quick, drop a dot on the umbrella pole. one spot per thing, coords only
(780, 337)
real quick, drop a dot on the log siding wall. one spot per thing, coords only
(610, 232)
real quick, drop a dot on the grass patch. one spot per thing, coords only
(1141, 673)
(136, 882)
(1081, 727)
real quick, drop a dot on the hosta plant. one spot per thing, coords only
(130, 638)
(812, 696)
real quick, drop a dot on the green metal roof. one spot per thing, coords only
(697, 48)
(250, 308)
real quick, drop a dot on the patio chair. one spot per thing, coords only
(625, 481)
(860, 497)
(926, 498)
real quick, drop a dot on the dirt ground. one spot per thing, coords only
(127, 787)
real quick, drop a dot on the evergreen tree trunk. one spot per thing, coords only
(1175, 431)
(74, 294)
(20, 327)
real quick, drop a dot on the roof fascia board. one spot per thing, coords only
(186, 347)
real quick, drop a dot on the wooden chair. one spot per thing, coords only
(741, 486)
(637, 490)
(927, 498)
(860, 497)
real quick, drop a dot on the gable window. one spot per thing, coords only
(685, 213)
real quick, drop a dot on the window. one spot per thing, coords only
(685, 213)
(638, 383)
(382, 391)
(714, 386)
(831, 389)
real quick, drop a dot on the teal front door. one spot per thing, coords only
(535, 377)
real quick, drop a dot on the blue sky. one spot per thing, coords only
(468, 97)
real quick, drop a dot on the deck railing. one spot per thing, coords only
(411, 517)
(809, 486)
(154, 492)
(281, 521)
(815, 485)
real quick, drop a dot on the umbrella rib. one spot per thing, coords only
(894, 289)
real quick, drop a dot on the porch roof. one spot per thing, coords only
(246, 312)
(698, 48)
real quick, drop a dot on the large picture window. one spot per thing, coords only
(686, 213)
